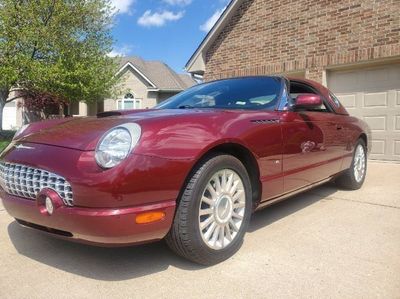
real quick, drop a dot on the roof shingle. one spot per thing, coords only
(160, 74)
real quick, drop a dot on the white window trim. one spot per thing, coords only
(138, 71)
(135, 100)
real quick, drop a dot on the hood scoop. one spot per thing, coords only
(108, 114)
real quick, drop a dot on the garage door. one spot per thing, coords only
(10, 116)
(373, 94)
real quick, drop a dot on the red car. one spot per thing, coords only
(191, 171)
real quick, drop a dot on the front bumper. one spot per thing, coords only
(98, 226)
(105, 202)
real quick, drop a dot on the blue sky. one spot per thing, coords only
(166, 30)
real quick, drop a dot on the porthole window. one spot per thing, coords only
(129, 96)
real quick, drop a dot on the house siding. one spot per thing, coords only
(130, 82)
(272, 37)
(133, 82)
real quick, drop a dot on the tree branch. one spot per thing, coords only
(45, 23)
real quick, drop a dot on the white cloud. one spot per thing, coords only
(122, 51)
(122, 6)
(212, 20)
(159, 19)
(178, 2)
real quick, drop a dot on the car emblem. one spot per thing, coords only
(21, 146)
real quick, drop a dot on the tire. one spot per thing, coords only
(352, 179)
(190, 235)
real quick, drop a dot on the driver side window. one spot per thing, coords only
(297, 88)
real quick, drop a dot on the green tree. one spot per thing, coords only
(56, 46)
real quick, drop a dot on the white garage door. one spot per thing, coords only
(10, 116)
(374, 95)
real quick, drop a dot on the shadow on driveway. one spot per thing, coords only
(118, 264)
(280, 210)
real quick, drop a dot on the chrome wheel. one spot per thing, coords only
(359, 163)
(222, 209)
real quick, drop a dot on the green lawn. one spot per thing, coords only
(3, 144)
(5, 138)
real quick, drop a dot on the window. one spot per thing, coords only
(253, 93)
(297, 88)
(129, 102)
(334, 99)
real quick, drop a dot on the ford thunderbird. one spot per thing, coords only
(190, 171)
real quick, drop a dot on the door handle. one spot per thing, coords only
(339, 127)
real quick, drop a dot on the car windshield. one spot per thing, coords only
(240, 93)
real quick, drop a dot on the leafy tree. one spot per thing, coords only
(55, 47)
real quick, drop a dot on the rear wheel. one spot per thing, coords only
(213, 212)
(353, 178)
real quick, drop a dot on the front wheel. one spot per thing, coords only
(353, 178)
(213, 212)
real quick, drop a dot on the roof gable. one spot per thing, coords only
(156, 73)
(196, 63)
(128, 64)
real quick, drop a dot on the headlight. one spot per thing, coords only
(116, 144)
(20, 131)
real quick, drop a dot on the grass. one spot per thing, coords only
(5, 138)
(3, 144)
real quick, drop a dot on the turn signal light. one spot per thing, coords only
(149, 217)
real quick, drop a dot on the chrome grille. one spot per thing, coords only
(25, 181)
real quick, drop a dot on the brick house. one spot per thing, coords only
(351, 46)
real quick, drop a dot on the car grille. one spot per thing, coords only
(25, 181)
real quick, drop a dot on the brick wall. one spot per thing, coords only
(268, 37)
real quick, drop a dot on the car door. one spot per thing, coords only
(314, 144)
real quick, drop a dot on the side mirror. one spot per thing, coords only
(308, 101)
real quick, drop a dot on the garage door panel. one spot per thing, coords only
(397, 123)
(397, 148)
(373, 95)
(349, 101)
(398, 98)
(377, 99)
(378, 147)
(376, 123)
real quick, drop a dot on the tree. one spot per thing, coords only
(41, 105)
(56, 47)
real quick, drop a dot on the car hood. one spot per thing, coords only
(84, 133)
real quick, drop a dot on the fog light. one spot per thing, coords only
(49, 206)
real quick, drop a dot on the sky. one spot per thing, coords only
(166, 30)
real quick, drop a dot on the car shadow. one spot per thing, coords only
(118, 264)
(279, 210)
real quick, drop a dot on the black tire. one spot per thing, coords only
(347, 179)
(185, 237)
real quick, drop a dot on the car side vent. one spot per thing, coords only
(265, 121)
(108, 114)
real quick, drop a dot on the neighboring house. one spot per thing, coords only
(352, 47)
(143, 85)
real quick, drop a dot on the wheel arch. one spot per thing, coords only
(364, 137)
(244, 155)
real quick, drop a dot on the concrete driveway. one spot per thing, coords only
(323, 243)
